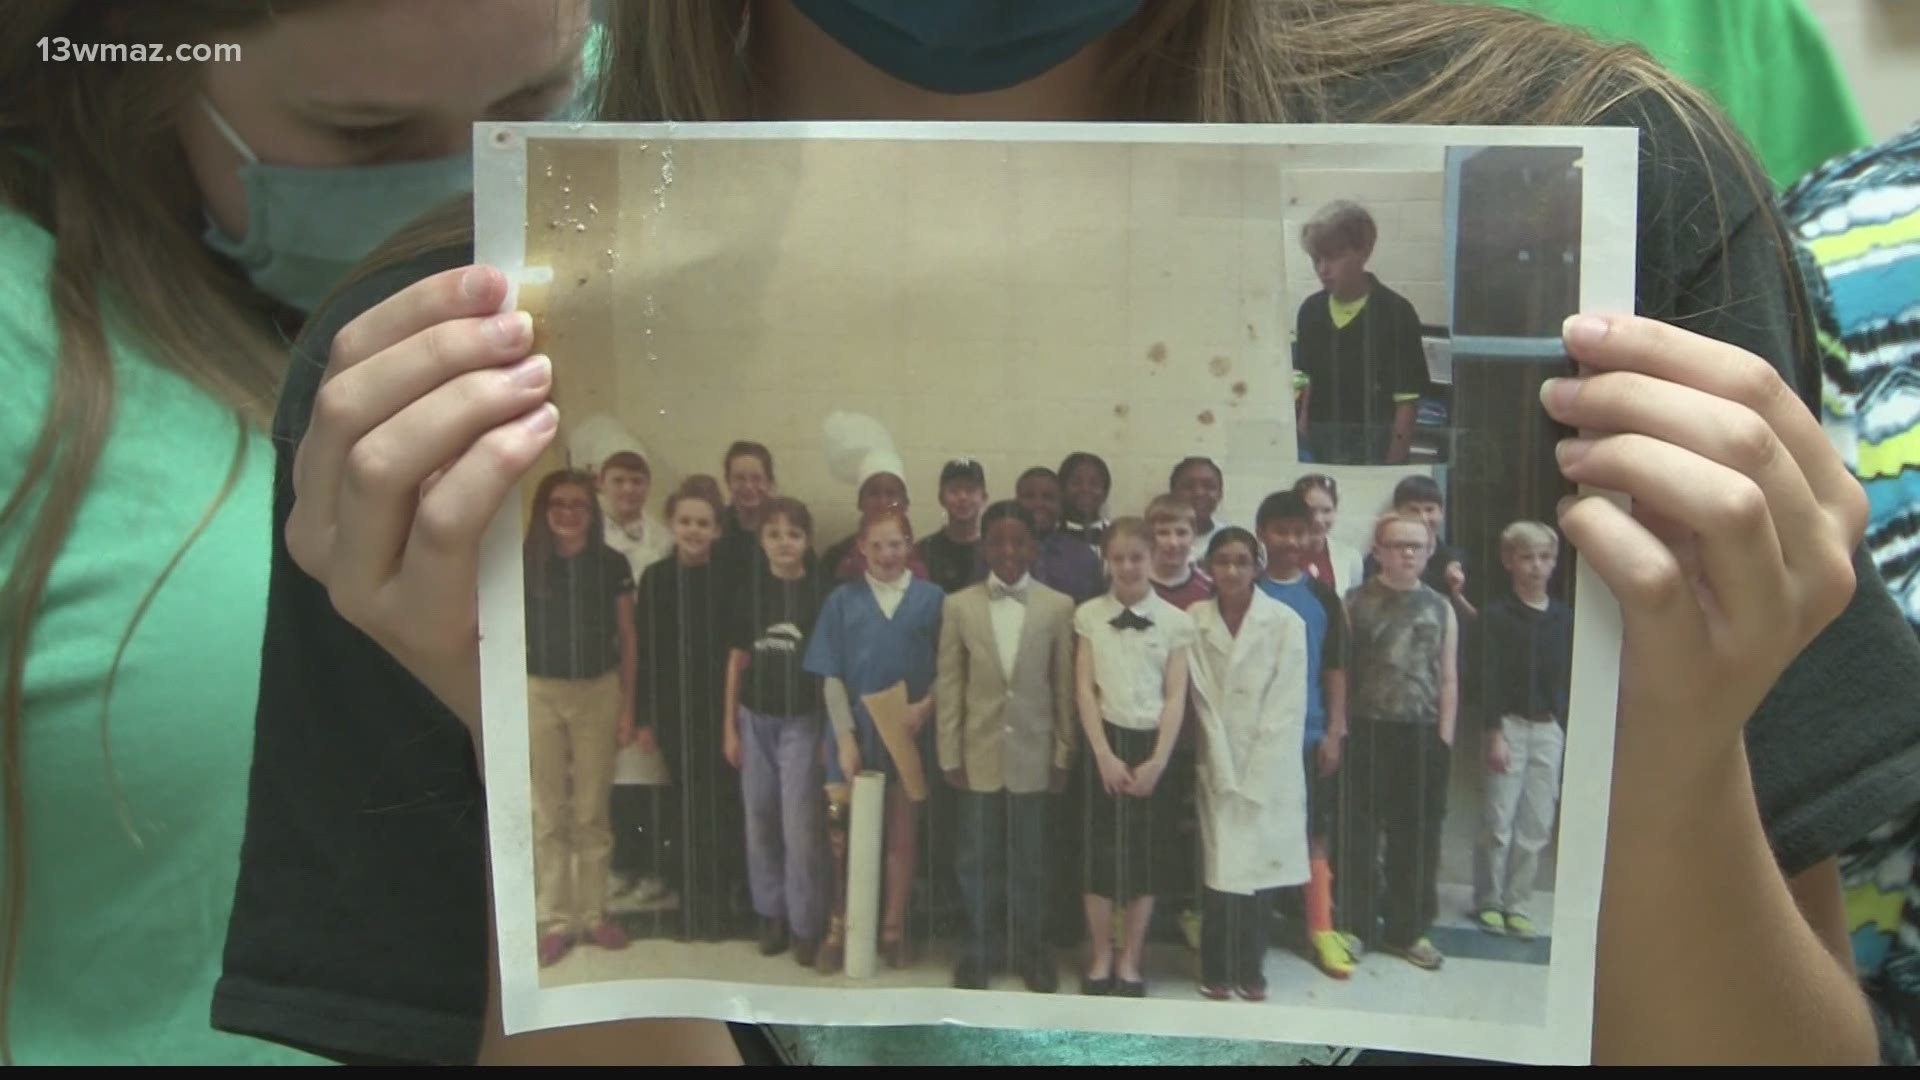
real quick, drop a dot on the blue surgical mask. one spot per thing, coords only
(967, 46)
(307, 227)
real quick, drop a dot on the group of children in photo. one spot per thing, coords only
(1152, 707)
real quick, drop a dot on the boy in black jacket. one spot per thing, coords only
(1357, 350)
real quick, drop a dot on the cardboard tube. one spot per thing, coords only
(889, 711)
(863, 872)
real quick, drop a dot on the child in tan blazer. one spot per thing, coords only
(1004, 709)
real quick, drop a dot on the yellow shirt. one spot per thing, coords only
(1345, 311)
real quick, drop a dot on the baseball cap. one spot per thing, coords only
(963, 469)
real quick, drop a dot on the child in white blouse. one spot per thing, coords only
(1131, 674)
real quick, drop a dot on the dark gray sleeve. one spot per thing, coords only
(1835, 747)
(358, 929)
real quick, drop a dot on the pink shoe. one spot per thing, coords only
(610, 935)
(554, 947)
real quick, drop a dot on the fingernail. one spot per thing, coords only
(1582, 331)
(473, 283)
(532, 373)
(1558, 394)
(543, 419)
(509, 330)
(1570, 451)
(1565, 505)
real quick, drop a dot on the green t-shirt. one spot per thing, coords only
(126, 918)
(1767, 63)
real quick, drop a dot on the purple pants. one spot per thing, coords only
(782, 784)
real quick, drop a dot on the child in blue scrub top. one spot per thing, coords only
(878, 630)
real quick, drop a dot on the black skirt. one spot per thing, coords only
(1123, 831)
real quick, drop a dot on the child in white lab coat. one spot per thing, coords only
(1250, 698)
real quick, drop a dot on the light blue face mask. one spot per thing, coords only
(307, 227)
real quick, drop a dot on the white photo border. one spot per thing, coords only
(1608, 212)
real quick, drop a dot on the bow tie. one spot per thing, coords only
(997, 591)
(1128, 619)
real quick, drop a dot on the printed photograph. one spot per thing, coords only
(1002, 578)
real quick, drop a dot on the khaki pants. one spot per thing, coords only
(573, 729)
(1519, 817)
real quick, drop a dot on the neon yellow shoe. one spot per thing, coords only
(1521, 927)
(1490, 920)
(1332, 955)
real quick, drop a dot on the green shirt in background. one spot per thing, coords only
(1767, 62)
(126, 917)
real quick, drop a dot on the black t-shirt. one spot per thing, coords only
(1358, 374)
(772, 623)
(1335, 646)
(737, 552)
(1435, 575)
(951, 564)
(360, 918)
(1529, 659)
(834, 560)
(573, 614)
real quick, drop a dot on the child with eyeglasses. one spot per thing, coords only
(1402, 697)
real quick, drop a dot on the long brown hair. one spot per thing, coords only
(92, 157)
(538, 547)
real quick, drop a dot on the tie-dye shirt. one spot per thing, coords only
(1858, 224)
